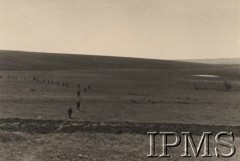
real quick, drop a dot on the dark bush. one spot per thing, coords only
(227, 86)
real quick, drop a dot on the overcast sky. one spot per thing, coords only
(162, 29)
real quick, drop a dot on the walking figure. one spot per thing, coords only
(70, 112)
(85, 89)
(78, 93)
(78, 105)
(89, 87)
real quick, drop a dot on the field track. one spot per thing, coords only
(63, 126)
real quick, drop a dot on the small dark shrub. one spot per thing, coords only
(196, 86)
(227, 86)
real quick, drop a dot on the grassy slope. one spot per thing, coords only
(19, 60)
(117, 95)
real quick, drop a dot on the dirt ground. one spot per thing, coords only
(83, 146)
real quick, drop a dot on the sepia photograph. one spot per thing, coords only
(119, 80)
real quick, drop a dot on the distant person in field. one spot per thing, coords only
(85, 89)
(78, 105)
(63, 84)
(89, 87)
(78, 93)
(70, 112)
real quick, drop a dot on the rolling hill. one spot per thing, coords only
(21, 60)
(220, 61)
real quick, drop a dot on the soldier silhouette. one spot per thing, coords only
(78, 105)
(70, 112)
(78, 93)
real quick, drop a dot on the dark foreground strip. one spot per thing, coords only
(52, 126)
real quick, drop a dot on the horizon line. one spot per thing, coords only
(89, 54)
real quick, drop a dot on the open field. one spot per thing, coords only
(125, 95)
